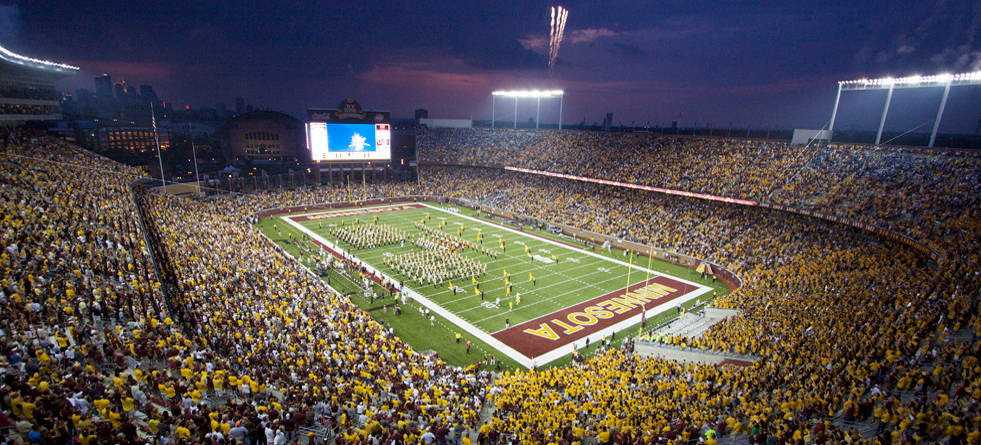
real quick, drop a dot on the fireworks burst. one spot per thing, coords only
(556, 33)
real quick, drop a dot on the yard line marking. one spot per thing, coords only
(472, 329)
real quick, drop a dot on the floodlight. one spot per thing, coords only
(945, 80)
(914, 81)
(529, 93)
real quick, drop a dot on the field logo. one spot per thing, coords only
(489, 305)
(602, 308)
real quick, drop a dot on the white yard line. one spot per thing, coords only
(516, 274)
(547, 272)
(653, 273)
(439, 310)
(548, 299)
(484, 336)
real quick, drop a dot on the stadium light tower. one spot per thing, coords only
(888, 83)
(538, 95)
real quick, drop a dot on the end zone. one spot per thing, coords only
(599, 315)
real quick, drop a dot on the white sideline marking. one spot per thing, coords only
(518, 357)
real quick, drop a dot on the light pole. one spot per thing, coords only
(538, 111)
(194, 154)
(885, 110)
(515, 112)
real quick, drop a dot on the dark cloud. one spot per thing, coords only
(651, 59)
(9, 24)
(626, 50)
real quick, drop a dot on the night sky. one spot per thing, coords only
(762, 63)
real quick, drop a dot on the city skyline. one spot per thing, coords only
(768, 64)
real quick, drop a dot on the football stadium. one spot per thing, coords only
(352, 277)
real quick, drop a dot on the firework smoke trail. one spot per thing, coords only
(556, 33)
(551, 36)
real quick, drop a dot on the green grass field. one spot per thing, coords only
(574, 278)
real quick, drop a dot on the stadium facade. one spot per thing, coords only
(262, 136)
(27, 90)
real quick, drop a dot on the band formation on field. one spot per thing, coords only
(531, 297)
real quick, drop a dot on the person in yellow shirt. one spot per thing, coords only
(16, 403)
(27, 408)
(86, 437)
(603, 436)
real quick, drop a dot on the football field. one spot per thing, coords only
(531, 297)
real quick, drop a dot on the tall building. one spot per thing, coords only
(119, 89)
(103, 86)
(27, 90)
(422, 113)
(608, 121)
(147, 93)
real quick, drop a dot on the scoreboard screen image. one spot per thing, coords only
(349, 142)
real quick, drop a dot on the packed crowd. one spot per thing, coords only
(269, 317)
(730, 167)
(239, 343)
(82, 309)
(931, 196)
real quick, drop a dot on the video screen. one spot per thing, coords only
(349, 142)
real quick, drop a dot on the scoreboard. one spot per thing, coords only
(349, 134)
(349, 142)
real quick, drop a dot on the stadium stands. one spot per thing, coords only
(861, 339)
(931, 196)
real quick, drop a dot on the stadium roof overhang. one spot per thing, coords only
(13, 59)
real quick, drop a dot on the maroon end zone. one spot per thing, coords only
(357, 212)
(543, 334)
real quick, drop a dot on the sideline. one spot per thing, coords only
(528, 362)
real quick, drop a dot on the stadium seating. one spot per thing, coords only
(930, 196)
(862, 340)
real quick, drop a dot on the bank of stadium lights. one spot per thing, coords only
(945, 80)
(538, 95)
(24, 60)
(533, 94)
(937, 80)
